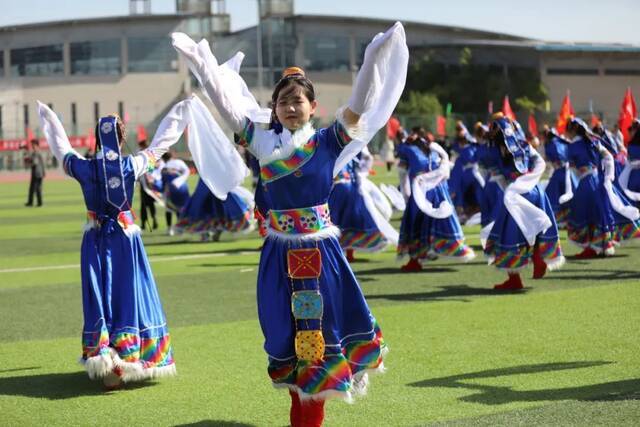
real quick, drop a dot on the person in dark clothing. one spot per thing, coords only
(146, 201)
(37, 174)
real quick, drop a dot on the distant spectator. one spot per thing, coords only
(37, 173)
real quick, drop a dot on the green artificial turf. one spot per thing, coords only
(564, 352)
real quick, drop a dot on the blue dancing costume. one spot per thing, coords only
(124, 324)
(529, 231)
(350, 213)
(422, 234)
(205, 213)
(465, 183)
(557, 153)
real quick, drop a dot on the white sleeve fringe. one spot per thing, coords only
(54, 133)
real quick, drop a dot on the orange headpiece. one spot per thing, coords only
(290, 71)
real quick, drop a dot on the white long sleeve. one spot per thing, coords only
(222, 83)
(54, 133)
(168, 133)
(376, 91)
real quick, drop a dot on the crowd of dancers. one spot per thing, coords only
(315, 206)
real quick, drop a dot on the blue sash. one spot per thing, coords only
(111, 164)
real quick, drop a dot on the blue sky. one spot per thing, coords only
(551, 20)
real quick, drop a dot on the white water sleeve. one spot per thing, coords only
(618, 205)
(220, 165)
(624, 179)
(54, 133)
(377, 89)
(568, 191)
(222, 84)
(531, 220)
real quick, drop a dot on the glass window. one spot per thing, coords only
(1, 63)
(151, 55)
(101, 57)
(326, 52)
(37, 61)
(573, 71)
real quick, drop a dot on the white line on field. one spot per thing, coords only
(245, 270)
(152, 259)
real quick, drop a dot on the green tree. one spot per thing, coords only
(419, 103)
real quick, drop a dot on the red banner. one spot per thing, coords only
(441, 126)
(506, 108)
(17, 144)
(565, 114)
(628, 112)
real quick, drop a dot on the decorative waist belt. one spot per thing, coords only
(586, 171)
(301, 220)
(125, 219)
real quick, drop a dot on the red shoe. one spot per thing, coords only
(539, 266)
(412, 266)
(513, 283)
(350, 256)
(587, 253)
(294, 413)
(311, 413)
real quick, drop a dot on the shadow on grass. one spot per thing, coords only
(457, 292)
(396, 270)
(28, 368)
(58, 386)
(499, 395)
(214, 423)
(586, 261)
(596, 274)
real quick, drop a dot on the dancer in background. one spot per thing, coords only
(562, 183)
(465, 182)
(630, 175)
(430, 226)
(600, 215)
(125, 335)
(360, 210)
(524, 230)
(175, 174)
(320, 336)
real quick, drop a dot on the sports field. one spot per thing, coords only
(564, 352)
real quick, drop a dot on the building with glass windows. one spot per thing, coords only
(91, 67)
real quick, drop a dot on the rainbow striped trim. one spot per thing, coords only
(341, 134)
(550, 250)
(630, 230)
(300, 221)
(562, 216)
(151, 352)
(451, 247)
(95, 343)
(283, 167)
(413, 248)
(335, 372)
(508, 259)
(151, 160)
(352, 239)
(246, 135)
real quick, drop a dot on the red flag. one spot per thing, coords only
(533, 126)
(628, 112)
(441, 125)
(506, 108)
(595, 120)
(30, 135)
(142, 133)
(565, 114)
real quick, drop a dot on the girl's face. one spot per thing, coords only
(293, 108)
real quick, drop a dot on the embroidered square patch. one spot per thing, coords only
(304, 263)
(309, 345)
(306, 305)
